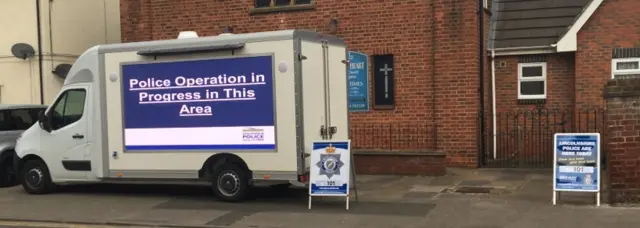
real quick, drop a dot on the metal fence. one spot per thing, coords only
(524, 138)
(391, 136)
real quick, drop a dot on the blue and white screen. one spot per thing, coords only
(213, 104)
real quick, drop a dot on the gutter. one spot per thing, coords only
(493, 102)
(481, 55)
(40, 54)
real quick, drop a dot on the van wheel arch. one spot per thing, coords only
(219, 159)
(29, 158)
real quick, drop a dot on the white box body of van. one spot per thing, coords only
(140, 118)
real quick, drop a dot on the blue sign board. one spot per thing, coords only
(330, 168)
(358, 76)
(210, 104)
(577, 162)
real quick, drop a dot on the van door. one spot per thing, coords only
(68, 139)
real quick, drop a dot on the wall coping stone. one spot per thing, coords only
(398, 153)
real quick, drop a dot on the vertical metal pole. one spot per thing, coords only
(326, 102)
(40, 56)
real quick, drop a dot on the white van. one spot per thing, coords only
(226, 110)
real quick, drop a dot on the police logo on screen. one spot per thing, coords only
(252, 134)
(330, 162)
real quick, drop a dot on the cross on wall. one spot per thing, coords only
(386, 71)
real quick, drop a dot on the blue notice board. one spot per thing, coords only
(577, 162)
(206, 104)
(358, 76)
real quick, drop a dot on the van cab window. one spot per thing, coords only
(68, 109)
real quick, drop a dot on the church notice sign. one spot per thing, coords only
(358, 76)
(576, 163)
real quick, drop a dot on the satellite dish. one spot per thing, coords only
(22, 50)
(62, 70)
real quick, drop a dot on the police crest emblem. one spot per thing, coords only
(330, 162)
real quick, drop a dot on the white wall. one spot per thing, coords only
(68, 28)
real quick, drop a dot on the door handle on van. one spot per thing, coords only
(78, 136)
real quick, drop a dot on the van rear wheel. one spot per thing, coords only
(230, 182)
(35, 178)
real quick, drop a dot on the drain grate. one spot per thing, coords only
(474, 190)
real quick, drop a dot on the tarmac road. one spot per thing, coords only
(8, 224)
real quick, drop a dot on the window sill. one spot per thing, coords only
(526, 101)
(279, 9)
(384, 107)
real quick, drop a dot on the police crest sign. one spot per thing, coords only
(330, 168)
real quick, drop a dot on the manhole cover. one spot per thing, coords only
(472, 190)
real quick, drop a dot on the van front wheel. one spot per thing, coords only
(35, 178)
(230, 182)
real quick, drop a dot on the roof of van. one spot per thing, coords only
(222, 40)
(19, 106)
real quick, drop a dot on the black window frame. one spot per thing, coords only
(378, 82)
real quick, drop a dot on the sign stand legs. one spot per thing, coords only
(347, 203)
(353, 179)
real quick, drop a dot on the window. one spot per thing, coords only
(383, 82)
(626, 68)
(532, 80)
(68, 109)
(5, 122)
(22, 118)
(280, 3)
(18, 119)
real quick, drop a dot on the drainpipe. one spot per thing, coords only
(481, 54)
(40, 60)
(493, 100)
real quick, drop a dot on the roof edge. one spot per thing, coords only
(524, 50)
(568, 42)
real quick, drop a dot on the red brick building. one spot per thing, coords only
(553, 59)
(434, 117)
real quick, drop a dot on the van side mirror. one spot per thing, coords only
(45, 122)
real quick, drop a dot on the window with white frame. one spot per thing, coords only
(625, 68)
(532, 80)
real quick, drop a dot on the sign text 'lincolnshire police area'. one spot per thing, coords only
(577, 162)
(200, 104)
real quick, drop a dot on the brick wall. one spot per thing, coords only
(615, 24)
(456, 80)
(560, 83)
(623, 144)
(434, 42)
